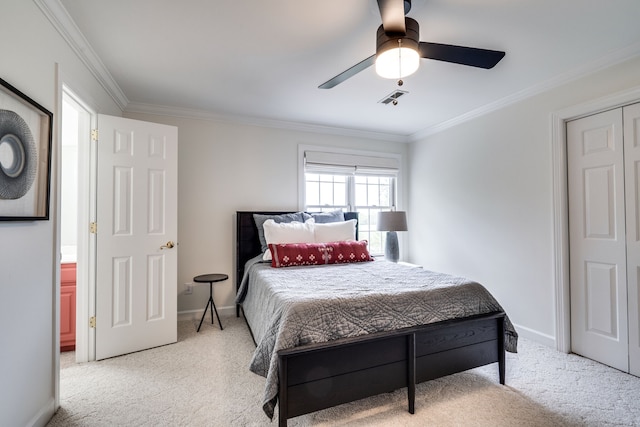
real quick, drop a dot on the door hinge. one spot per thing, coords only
(92, 322)
(94, 135)
(93, 227)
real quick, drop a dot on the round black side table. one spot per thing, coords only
(210, 278)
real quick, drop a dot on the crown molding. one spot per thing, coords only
(188, 113)
(64, 24)
(614, 58)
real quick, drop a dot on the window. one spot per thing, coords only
(326, 192)
(363, 184)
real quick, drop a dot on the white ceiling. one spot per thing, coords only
(263, 60)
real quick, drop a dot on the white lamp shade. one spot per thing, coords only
(392, 221)
(397, 63)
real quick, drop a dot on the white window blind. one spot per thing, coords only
(318, 161)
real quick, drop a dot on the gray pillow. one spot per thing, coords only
(261, 218)
(325, 217)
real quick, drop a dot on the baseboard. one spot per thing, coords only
(536, 336)
(197, 314)
(44, 415)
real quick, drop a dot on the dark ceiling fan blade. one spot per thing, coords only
(348, 73)
(481, 58)
(392, 14)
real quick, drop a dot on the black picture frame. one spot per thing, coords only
(25, 156)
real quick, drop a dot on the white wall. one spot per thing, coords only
(227, 167)
(480, 199)
(28, 255)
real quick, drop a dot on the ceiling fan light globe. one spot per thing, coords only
(388, 63)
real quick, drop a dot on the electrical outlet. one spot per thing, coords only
(188, 288)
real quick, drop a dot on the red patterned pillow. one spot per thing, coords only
(347, 251)
(292, 254)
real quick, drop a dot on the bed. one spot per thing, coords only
(361, 351)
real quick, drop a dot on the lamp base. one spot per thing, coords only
(391, 251)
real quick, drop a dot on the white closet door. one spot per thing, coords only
(632, 184)
(597, 239)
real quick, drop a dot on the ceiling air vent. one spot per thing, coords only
(392, 98)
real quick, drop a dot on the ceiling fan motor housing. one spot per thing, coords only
(386, 41)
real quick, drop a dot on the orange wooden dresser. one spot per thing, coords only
(68, 307)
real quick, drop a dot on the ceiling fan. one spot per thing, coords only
(399, 49)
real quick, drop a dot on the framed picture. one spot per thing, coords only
(25, 156)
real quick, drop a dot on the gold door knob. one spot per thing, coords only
(168, 245)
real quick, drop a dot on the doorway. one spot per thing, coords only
(77, 207)
(560, 214)
(598, 237)
(604, 213)
(148, 308)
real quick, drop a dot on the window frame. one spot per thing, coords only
(377, 241)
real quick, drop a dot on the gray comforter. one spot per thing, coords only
(294, 306)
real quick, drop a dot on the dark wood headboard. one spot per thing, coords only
(248, 242)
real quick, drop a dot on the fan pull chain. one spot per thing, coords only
(400, 82)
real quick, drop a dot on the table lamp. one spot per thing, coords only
(391, 222)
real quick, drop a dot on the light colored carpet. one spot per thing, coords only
(203, 380)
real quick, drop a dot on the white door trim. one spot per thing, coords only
(560, 202)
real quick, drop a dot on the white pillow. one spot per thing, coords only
(335, 231)
(287, 232)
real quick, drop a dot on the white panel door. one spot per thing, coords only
(136, 270)
(632, 185)
(597, 239)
